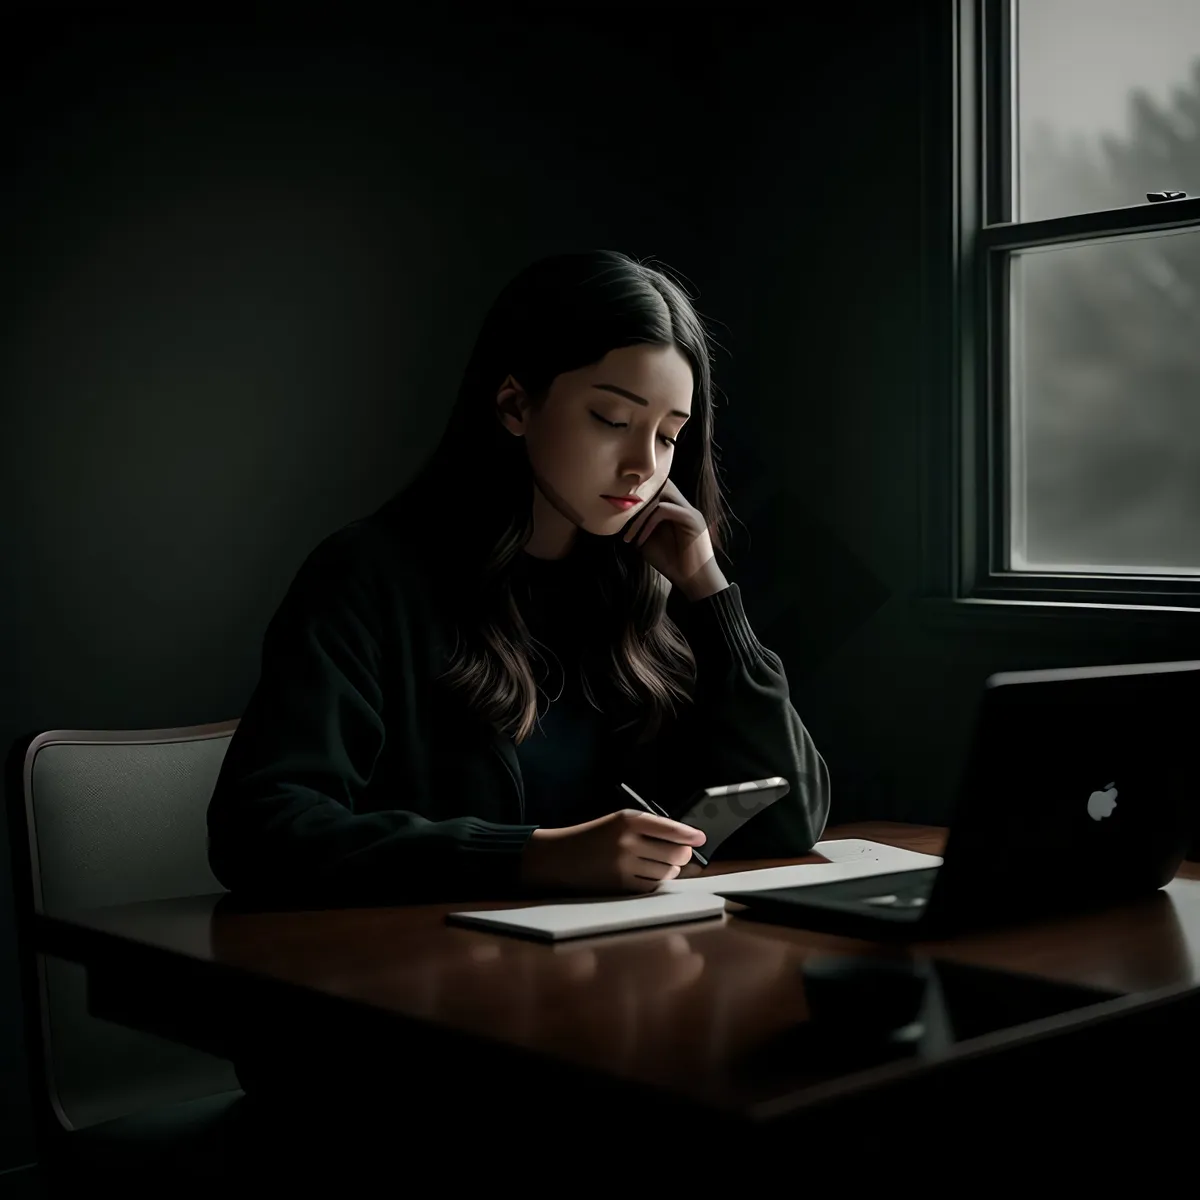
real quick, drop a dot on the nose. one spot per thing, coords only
(639, 463)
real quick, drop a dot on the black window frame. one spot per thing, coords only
(967, 237)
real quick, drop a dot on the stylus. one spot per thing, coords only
(658, 811)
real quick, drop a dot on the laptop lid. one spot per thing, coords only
(1078, 783)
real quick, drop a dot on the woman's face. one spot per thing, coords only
(604, 430)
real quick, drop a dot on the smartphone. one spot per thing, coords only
(719, 812)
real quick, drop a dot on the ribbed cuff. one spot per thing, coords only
(495, 852)
(718, 631)
(486, 835)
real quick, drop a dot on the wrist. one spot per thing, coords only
(708, 580)
(535, 870)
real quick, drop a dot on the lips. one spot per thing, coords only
(624, 503)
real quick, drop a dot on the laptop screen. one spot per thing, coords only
(1074, 773)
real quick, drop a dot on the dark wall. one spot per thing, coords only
(244, 265)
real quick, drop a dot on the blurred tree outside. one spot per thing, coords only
(1107, 370)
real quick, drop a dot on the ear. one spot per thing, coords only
(511, 406)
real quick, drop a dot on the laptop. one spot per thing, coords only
(1078, 793)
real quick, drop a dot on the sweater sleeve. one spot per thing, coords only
(282, 819)
(741, 726)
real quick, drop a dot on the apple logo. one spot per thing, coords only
(1101, 804)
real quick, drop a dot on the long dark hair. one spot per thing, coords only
(475, 493)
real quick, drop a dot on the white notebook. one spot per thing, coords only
(553, 922)
(693, 899)
(849, 858)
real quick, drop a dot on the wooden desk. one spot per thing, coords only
(696, 1020)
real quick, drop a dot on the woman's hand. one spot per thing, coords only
(626, 851)
(674, 539)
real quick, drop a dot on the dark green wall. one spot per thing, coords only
(245, 261)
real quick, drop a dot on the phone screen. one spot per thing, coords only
(719, 812)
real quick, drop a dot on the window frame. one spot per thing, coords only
(967, 238)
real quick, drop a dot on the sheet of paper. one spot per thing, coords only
(851, 858)
(550, 922)
(860, 850)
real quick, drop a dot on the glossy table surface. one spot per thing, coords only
(707, 1010)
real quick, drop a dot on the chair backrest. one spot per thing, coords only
(98, 818)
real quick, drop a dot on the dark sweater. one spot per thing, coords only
(357, 776)
(566, 763)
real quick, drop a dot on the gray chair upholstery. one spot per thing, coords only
(112, 817)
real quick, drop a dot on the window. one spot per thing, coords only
(1064, 362)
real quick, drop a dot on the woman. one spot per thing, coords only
(454, 687)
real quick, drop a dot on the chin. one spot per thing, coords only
(618, 523)
(590, 517)
(604, 529)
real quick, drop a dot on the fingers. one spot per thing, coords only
(653, 870)
(652, 826)
(640, 884)
(684, 519)
(657, 850)
(662, 511)
(667, 493)
(639, 521)
(656, 860)
(656, 519)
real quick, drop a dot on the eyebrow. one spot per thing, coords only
(620, 391)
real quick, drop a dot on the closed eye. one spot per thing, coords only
(624, 425)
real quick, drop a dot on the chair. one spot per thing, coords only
(98, 818)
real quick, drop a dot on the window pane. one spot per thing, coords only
(1108, 103)
(1105, 406)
